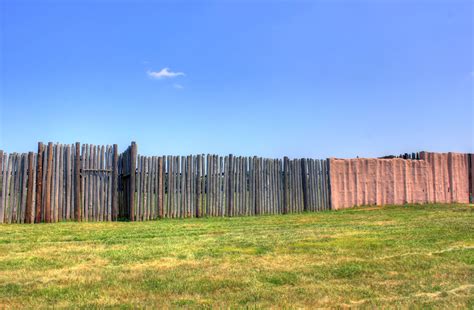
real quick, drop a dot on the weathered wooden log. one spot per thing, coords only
(8, 188)
(61, 184)
(47, 211)
(304, 183)
(84, 181)
(39, 183)
(29, 195)
(68, 181)
(198, 185)
(115, 203)
(55, 210)
(77, 183)
(230, 187)
(170, 187)
(286, 193)
(161, 177)
(328, 184)
(24, 180)
(189, 171)
(133, 168)
(182, 205)
(16, 187)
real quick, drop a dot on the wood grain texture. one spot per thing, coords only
(24, 176)
(133, 167)
(29, 195)
(8, 185)
(77, 183)
(230, 189)
(49, 176)
(39, 183)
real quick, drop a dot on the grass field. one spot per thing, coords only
(391, 256)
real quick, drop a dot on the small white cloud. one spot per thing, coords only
(163, 73)
(178, 86)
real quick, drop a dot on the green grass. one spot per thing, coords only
(391, 257)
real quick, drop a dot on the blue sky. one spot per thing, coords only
(269, 78)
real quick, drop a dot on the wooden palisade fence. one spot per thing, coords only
(95, 183)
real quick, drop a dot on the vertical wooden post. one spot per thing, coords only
(163, 185)
(286, 196)
(160, 187)
(471, 177)
(8, 190)
(170, 187)
(22, 189)
(86, 182)
(59, 184)
(230, 192)
(197, 187)
(203, 186)
(55, 204)
(68, 182)
(262, 170)
(328, 184)
(39, 182)
(139, 181)
(115, 183)
(149, 188)
(304, 175)
(280, 186)
(241, 187)
(317, 184)
(310, 184)
(29, 195)
(256, 185)
(251, 186)
(214, 184)
(189, 170)
(133, 168)
(206, 185)
(77, 183)
(153, 186)
(297, 166)
(16, 189)
(257, 182)
(1, 187)
(225, 185)
(222, 186)
(182, 186)
(176, 185)
(47, 208)
(470, 170)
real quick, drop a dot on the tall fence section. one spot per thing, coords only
(212, 185)
(424, 178)
(96, 183)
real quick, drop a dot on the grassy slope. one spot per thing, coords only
(421, 255)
